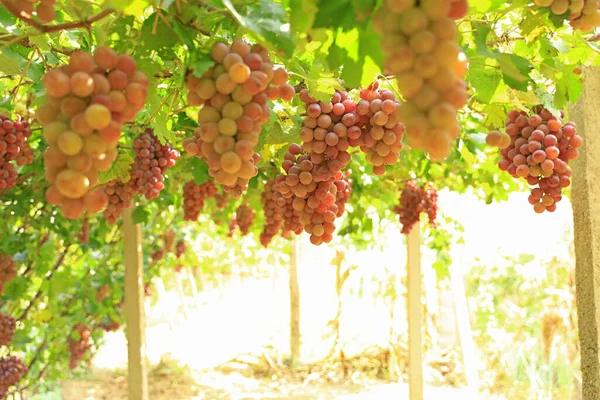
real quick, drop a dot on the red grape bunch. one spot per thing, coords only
(415, 200)
(148, 289)
(7, 329)
(244, 217)
(540, 150)
(12, 370)
(102, 292)
(79, 346)
(233, 225)
(419, 41)
(324, 131)
(179, 249)
(274, 209)
(169, 239)
(44, 9)
(152, 159)
(313, 192)
(13, 147)
(84, 235)
(222, 200)
(87, 102)
(194, 197)
(583, 15)
(111, 326)
(292, 220)
(380, 132)
(8, 270)
(233, 95)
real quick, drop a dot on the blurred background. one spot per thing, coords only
(220, 327)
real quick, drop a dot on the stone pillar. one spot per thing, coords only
(586, 214)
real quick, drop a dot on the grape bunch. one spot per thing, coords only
(44, 9)
(233, 225)
(380, 132)
(148, 289)
(274, 209)
(222, 200)
(244, 217)
(7, 329)
(179, 249)
(419, 41)
(540, 150)
(12, 370)
(169, 239)
(102, 292)
(13, 147)
(415, 200)
(194, 197)
(111, 326)
(233, 98)
(87, 102)
(584, 15)
(79, 346)
(292, 223)
(8, 270)
(313, 192)
(152, 159)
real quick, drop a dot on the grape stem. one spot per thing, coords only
(12, 8)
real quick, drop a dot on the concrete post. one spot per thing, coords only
(414, 313)
(586, 215)
(134, 309)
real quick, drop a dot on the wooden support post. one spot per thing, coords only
(294, 304)
(414, 312)
(134, 309)
(586, 215)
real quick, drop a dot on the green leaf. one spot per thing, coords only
(119, 170)
(302, 15)
(140, 215)
(269, 21)
(485, 81)
(515, 70)
(201, 63)
(321, 84)
(9, 66)
(335, 14)
(132, 7)
(199, 170)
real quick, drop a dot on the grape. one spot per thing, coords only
(194, 198)
(12, 370)
(243, 219)
(419, 41)
(87, 103)
(78, 344)
(7, 329)
(583, 15)
(233, 96)
(415, 200)
(8, 270)
(152, 159)
(273, 209)
(540, 152)
(14, 146)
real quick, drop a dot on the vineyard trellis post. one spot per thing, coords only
(294, 303)
(134, 309)
(414, 313)
(586, 215)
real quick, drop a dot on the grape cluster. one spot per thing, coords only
(179, 249)
(148, 289)
(233, 225)
(87, 103)
(79, 346)
(7, 329)
(44, 9)
(413, 201)
(222, 199)
(13, 147)
(194, 197)
(292, 220)
(102, 292)
(12, 370)
(233, 95)
(419, 40)
(169, 239)
(152, 159)
(111, 326)
(540, 150)
(583, 15)
(313, 190)
(244, 217)
(8, 270)
(274, 210)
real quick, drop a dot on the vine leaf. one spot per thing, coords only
(199, 170)
(8, 65)
(120, 169)
(302, 15)
(140, 215)
(267, 19)
(135, 7)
